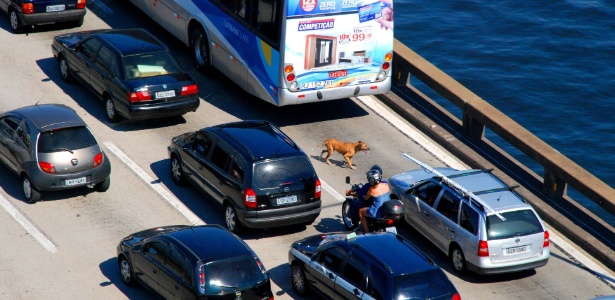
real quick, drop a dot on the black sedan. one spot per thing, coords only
(190, 262)
(130, 70)
(370, 266)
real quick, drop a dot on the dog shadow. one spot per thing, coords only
(334, 162)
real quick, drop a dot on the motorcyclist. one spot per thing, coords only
(359, 202)
(379, 192)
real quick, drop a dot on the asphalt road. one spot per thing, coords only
(64, 246)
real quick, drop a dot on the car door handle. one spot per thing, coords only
(177, 287)
(356, 292)
(426, 213)
(155, 271)
(451, 229)
(200, 167)
(331, 276)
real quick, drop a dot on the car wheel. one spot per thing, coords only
(177, 173)
(31, 193)
(64, 70)
(103, 186)
(112, 114)
(128, 277)
(458, 260)
(297, 277)
(232, 222)
(200, 49)
(16, 25)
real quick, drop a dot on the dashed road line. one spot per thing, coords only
(155, 185)
(27, 225)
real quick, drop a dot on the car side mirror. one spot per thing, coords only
(411, 191)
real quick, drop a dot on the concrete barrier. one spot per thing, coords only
(465, 138)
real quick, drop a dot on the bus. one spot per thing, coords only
(286, 52)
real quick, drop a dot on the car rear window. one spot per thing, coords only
(65, 139)
(422, 285)
(232, 273)
(518, 223)
(274, 173)
(150, 64)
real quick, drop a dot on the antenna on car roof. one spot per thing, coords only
(454, 184)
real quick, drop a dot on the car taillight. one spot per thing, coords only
(250, 198)
(390, 222)
(202, 278)
(190, 90)
(546, 242)
(483, 249)
(28, 8)
(47, 167)
(98, 159)
(317, 192)
(456, 297)
(140, 96)
(80, 3)
(260, 265)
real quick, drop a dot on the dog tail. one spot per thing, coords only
(323, 143)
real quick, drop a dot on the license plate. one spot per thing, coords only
(75, 181)
(316, 84)
(165, 94)
(51, 8)
(516, 250)
(391, 229)
(286, 200)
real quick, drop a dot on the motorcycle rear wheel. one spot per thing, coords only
(346, 218)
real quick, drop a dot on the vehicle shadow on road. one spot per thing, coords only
(110, 269)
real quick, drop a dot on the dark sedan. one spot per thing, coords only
(371, 266)
(50, 148)
(135, 75)
(190, 262)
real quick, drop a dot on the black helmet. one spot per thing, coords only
(373, 177)
(376, 168)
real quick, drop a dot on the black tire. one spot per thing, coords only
(31, 193)
(102, 187)
(128, 277)
(199, 47)
(177, 172)
(298, 280)
(232, 221)
(110, 111)
(345, 218)
(14, 21)
(458, 260)
(64, 69)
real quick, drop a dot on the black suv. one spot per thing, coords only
(372, 266)
(253, 170)
(184, 262)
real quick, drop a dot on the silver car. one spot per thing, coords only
(474, 218)
(50, 148)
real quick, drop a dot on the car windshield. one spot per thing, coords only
(518, 223)
(274, 173)
(150, 64)
(422, 285)
(233, 273)
(66, 139)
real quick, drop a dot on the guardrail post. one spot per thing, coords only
(401, 72)
(472, 127)
(554, 186)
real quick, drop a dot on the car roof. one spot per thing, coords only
(131, 41)
(258, 139)
(50, 116)
(394, 251)
(211, 242)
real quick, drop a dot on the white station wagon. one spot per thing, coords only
(473, 217)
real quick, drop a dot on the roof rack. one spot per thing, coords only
(464, 192)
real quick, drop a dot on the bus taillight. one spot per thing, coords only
(386, 65)
(290, 77)
(388, 57)
(288, 69)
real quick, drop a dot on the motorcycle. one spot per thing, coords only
(392, 211)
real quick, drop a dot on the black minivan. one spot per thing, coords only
(253, 170)
(193, 262)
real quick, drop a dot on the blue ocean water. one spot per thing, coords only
(549, 65)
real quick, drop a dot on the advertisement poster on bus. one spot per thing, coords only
(337, 42)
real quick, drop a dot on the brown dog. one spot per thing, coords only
(348, 150)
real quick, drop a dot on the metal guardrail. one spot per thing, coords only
(559, 170)
(466, 139)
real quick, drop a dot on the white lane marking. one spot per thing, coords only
(429, 146)
(155, 185)
(27, 225)
(102, 6)
(325, 186)
(409, 132)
